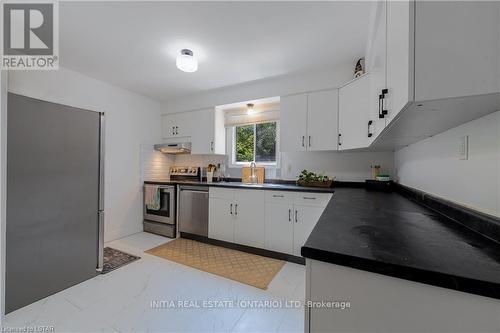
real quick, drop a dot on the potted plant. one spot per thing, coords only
(309, 178)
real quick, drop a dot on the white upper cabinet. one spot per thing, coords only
(293, 122)
(356, 126)
(376, 64)
(400, 48)
(442, 67)
(322, 118)
(176, 125)
(184, 125)
(204, 128)
(309, 121)
(168, 123)
(208, 133)
(457, 51)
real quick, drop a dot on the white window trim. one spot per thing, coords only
(232, 147)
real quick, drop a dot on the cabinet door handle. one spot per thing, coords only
(384, 110)
(236, 209)
(309, 141)
(309, 198)
(212, 146)
(289, 215)
(303, 142)
(296, 218)
(231, 209)
(278, 196)
(340, 143)
(380, 115)
(370, 122)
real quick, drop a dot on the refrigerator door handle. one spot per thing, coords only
(100, 241)
(101, 162)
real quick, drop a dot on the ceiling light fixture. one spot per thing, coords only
(250, 109)
(186, 61)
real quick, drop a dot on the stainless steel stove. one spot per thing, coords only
(163, 221)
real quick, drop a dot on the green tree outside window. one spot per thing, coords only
(256, 142)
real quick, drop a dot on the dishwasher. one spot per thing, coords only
(193, 210)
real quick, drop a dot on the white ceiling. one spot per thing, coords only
(134, 44)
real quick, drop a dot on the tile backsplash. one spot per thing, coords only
(199, 160)
(155, 164)
(346, 166)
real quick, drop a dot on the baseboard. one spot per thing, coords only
(245, 248)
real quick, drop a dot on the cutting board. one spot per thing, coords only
(246, 172)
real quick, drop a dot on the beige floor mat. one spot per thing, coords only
(240, 266)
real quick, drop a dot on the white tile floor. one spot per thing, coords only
(120, 301)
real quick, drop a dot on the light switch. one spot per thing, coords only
(463, 147)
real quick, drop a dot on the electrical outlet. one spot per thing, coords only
(463, 147)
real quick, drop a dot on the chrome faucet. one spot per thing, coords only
(253, 177)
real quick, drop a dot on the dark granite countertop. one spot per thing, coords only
(266, 186)
(388, 234)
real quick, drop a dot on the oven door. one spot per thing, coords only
(166, 213)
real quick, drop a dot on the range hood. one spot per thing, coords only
(174, 148)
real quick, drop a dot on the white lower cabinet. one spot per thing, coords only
(220, 219)
(279, 227)
(249, 223)
(305, 218)
(290, 218)
(236, 216)
(279, 221)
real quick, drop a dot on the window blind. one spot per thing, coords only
(232, 119)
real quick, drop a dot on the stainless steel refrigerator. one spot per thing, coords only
(55, 202)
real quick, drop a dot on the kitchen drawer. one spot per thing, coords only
(221, 193)
(312, 199)
(283, 197)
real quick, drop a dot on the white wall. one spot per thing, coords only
(155, 165)
(433, 165)
(344, 166)
(131, 120)
(278, 86)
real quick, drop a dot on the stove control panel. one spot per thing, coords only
(184, 171)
